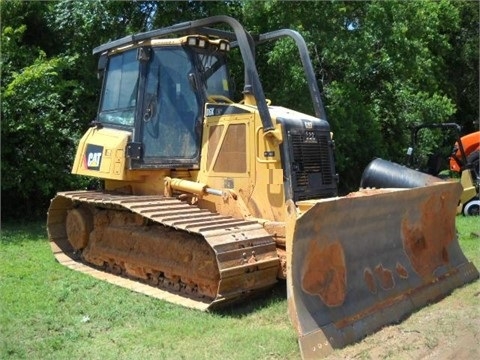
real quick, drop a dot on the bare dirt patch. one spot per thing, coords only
(448, 329)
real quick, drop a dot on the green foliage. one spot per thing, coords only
(392, 55)
(30, 112)
(37, 127)
(383, 68)
(357, 136)
(463, 70)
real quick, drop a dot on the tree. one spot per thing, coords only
(462, 68)
(381, 66)
(35, 96)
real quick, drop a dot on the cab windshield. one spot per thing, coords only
(120, 90)
(171, 108)
(160, 100)
(215, 74)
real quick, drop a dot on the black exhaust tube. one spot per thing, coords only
(386, 174)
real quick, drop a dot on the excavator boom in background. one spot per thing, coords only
(206, 201)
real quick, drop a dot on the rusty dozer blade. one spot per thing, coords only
(359, 262)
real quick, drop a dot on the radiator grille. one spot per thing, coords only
(310, 158)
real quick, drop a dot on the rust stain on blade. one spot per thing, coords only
(324, 273)
(370, 280)
(385, 277)
(401, 271)
(425, 242)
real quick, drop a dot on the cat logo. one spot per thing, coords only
(93, 157)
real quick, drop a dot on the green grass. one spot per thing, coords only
(468, 228)
(50, 312)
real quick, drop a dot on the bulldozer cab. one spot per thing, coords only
(157, 92)
(166, 92)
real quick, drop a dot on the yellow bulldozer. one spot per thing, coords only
(205, 201)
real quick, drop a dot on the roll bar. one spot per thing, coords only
(306, 62)
(246, 43)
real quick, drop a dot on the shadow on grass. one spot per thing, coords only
(277, 294)
(12, 232)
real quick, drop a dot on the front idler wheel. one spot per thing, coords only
(79, 225)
